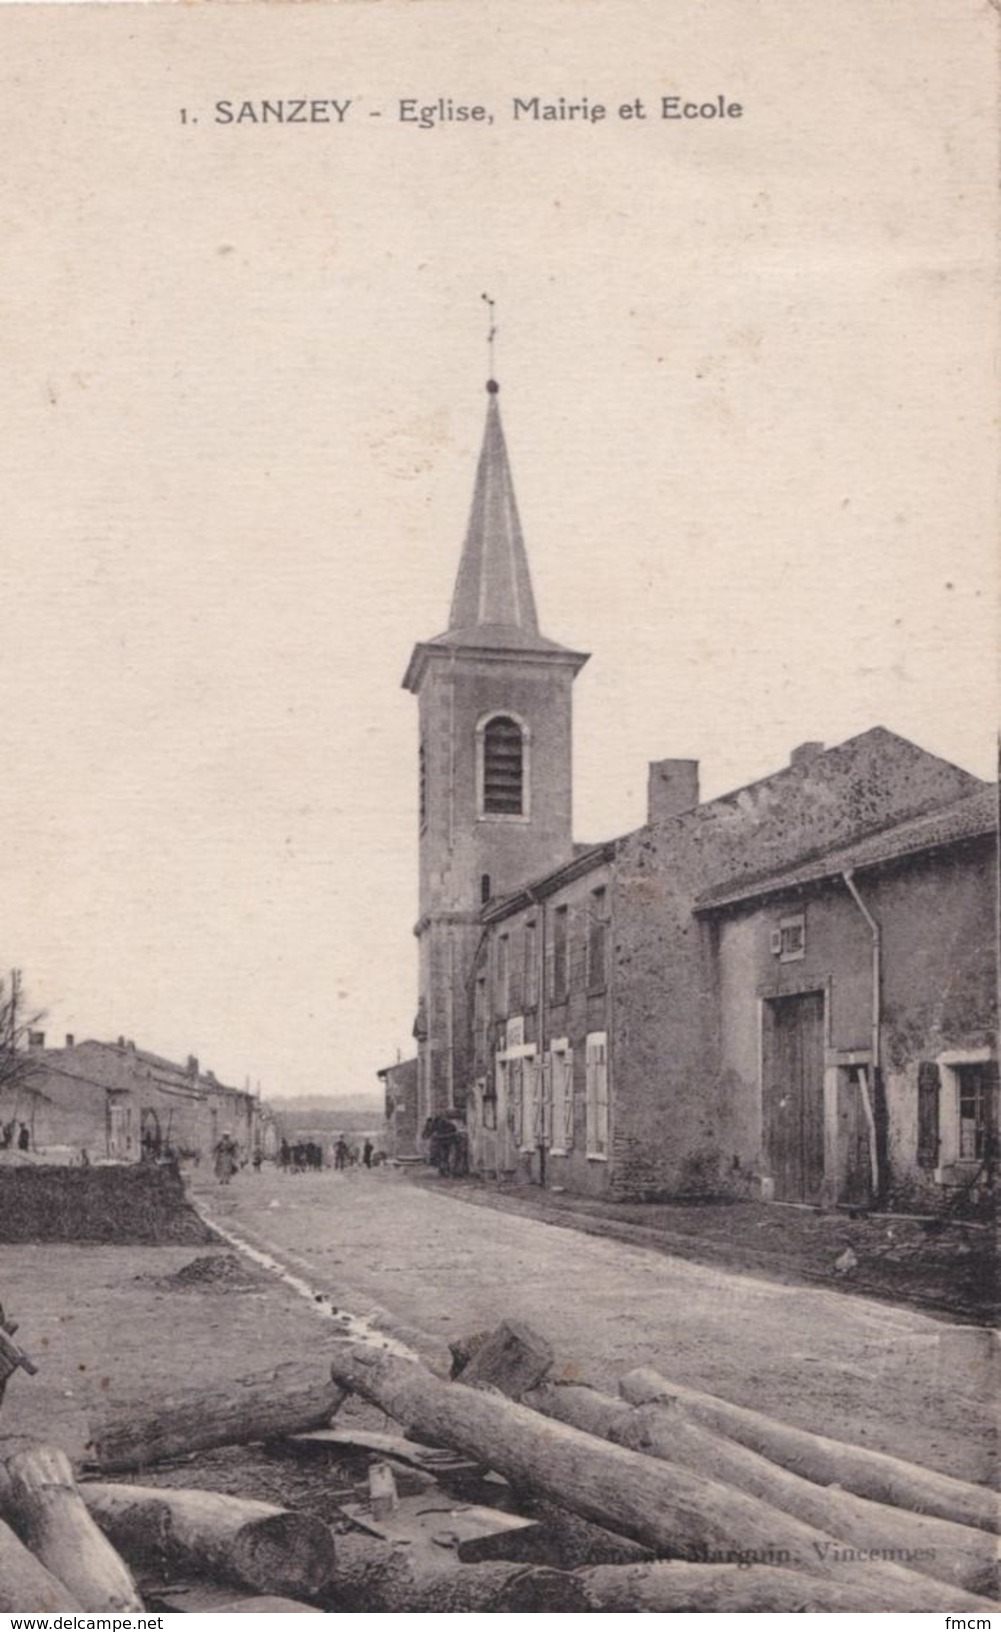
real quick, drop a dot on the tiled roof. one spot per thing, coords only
(968, 818)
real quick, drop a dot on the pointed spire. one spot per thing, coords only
(493, 585)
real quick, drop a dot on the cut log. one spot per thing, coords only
(378, 1576)
(512, 1359)
(199, 1532)
(201, 1598)
(42, 1503)
(288, 1400)
(26, 1586)
(675, 1512)
(949, 1552)
(717, 1588)
(824, 1461)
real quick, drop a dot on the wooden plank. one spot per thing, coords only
(473, 1533)
(438, 1460)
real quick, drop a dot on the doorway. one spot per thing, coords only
(793, 1094)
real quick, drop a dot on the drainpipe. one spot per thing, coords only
(540, 976)
(877, 977)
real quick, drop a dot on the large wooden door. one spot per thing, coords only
(793, 1095)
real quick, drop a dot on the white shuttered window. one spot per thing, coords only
(561, 1073)
(596, 1078)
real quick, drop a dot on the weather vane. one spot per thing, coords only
(491, 332)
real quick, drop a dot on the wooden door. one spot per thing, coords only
(793, 1095)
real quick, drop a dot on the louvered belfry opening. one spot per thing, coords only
(503, 768)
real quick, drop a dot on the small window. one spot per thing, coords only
(597, 940)
(484, 888)
(531, 973)
(503, 767)
(503, 974)
(561, 953)
(978, 1110)
(789, 939)
(422, 782)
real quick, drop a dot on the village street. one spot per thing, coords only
(427, 1268)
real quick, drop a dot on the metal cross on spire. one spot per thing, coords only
(491, 332)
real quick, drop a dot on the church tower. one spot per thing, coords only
(494, 764)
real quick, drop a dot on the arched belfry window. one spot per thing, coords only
(503, 766)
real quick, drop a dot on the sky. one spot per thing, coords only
(748, 387)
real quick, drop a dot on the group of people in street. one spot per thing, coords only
(308, 1156)
(15, 1136)
(300, 1156)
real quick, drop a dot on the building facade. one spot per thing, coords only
(787, 992)
(99, 1101)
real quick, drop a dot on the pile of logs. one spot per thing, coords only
(686, 1502)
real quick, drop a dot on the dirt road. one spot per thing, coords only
(428, 1267)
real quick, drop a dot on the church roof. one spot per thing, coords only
(494, 586)
(493, 604)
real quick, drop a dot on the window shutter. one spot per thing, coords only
(568, 1100)
(992, 1094)
(550, 975)
(590, 1099)
(546, 1101)
(928, 1108)
(516, 1094)
(601, 1097)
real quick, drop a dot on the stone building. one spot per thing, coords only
(494, 709)
(789, 991)
(118, 1102)
(401, 1140)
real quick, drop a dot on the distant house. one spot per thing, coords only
(114, 1101)
(402, 1133)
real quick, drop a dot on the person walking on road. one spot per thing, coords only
(226, 1156)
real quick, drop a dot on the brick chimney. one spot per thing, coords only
(192, 1065)
(70, 1039)
(805, 753)
(36, 1039)
(672, 788)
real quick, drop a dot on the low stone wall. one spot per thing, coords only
(143, 1203)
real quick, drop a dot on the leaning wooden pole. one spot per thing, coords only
(675, 1512)
(874, 1474)
(203, 1533)
(954, 1553)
